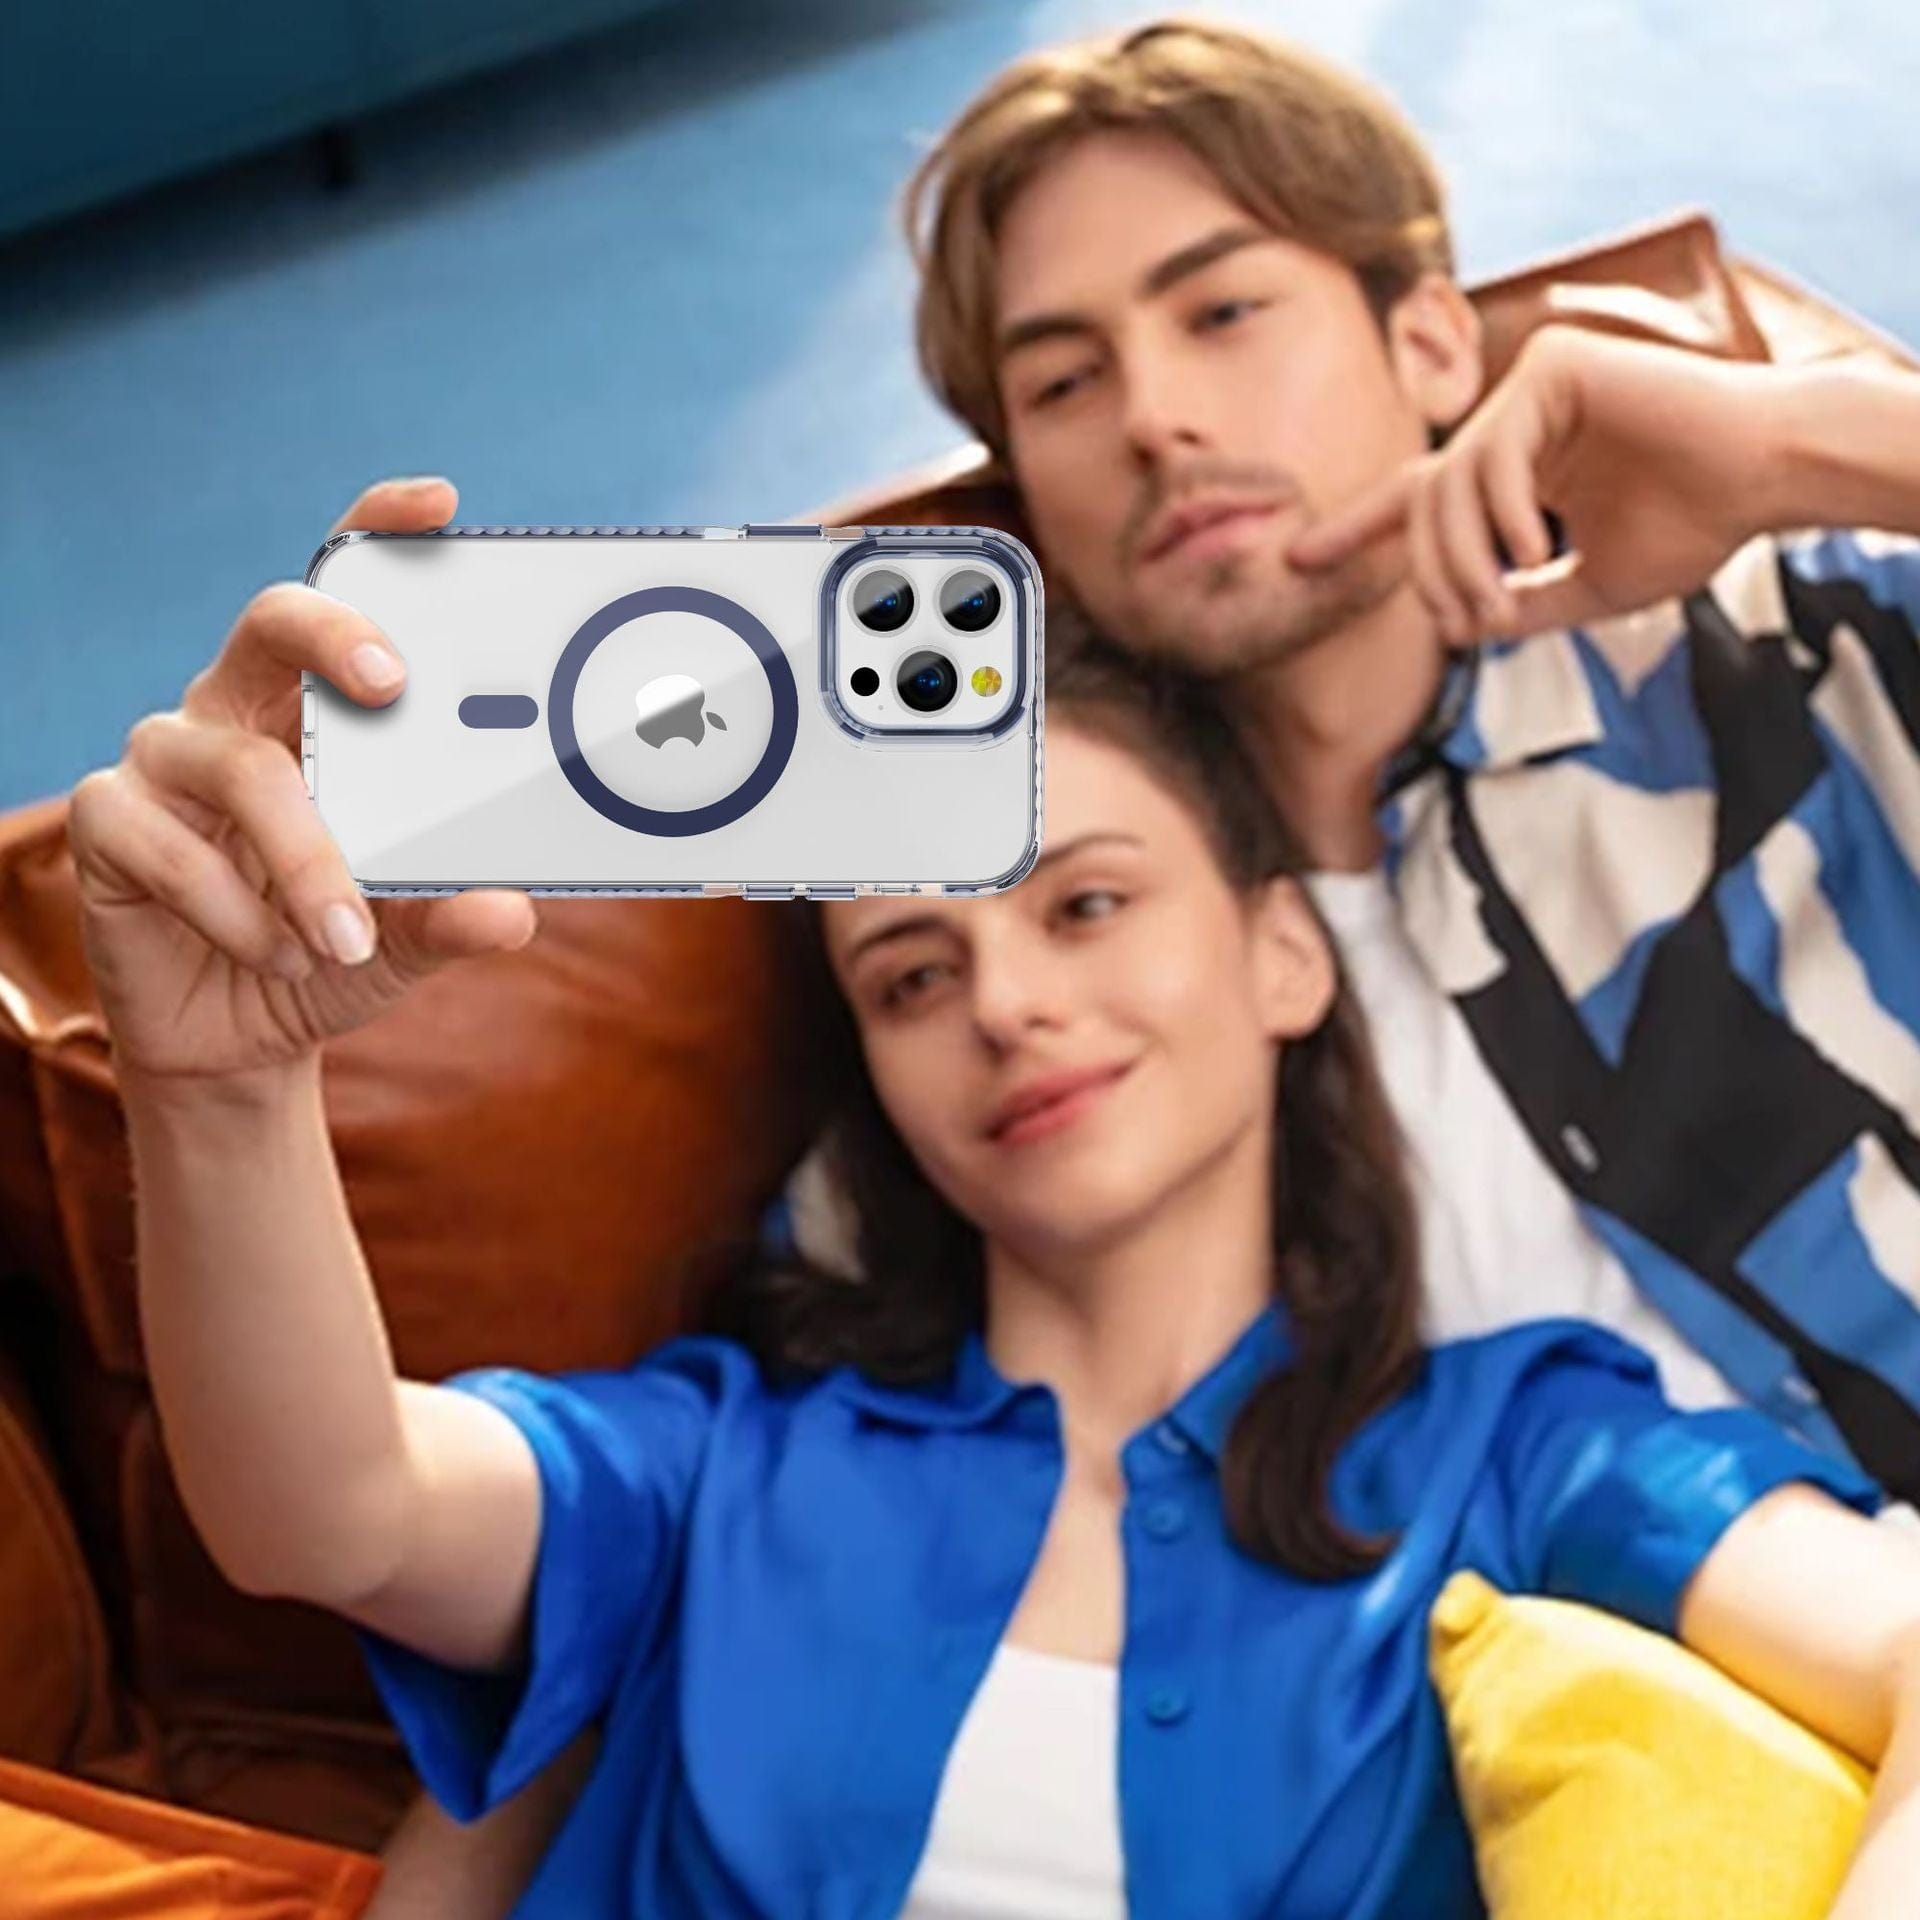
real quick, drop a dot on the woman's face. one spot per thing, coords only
(1065, 1058)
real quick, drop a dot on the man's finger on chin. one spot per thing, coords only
(1338, 535)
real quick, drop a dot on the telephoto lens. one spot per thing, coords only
(926, 681)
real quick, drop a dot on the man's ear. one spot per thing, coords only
(1296, 975)
(1434, 345)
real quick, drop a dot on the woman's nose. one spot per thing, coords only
(1014, 994)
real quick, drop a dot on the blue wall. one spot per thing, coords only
(657, 277)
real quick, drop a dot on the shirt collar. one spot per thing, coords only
(1504, 703)
(976, 1391)
(1205, 1412)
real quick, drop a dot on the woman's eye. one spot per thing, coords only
(1092, 903)
(910, 985)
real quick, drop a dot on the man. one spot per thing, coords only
(1634, 904)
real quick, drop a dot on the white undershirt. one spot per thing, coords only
(1501, 1239)
(1027, 1825)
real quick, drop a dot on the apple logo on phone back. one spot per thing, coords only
(674, 707)
(677, 703)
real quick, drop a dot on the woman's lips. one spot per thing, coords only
(1059, 1111)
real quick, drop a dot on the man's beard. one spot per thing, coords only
(1242, 612)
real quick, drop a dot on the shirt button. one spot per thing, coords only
(1171, 1439)
(1580, 1148)
(1164, 1519)
(1167, 1704)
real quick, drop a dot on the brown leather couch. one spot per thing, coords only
(532, 1146)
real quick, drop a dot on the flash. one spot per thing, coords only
(986, 680)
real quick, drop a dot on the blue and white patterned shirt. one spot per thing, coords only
(1668, 869)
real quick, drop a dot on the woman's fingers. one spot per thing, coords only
(254, 781)
(289, 628)
(416, 505)
(285, 630)
(134, 850)
(418, 934)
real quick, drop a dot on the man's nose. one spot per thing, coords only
(1161, 423)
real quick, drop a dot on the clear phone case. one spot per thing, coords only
(665, 710)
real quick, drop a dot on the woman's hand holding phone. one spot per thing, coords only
(223, 929)
(211, 893)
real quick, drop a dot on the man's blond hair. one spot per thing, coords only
(1310, 152)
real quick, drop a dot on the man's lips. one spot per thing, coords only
(1204, 527)
(1056, 1100)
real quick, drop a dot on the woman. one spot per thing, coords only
(1079, 1560)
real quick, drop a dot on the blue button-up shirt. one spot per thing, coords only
(780, 1603)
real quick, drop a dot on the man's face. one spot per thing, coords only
(1183, 392)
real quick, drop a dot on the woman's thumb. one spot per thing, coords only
(419, 935)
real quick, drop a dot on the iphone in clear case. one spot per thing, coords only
(767, 710)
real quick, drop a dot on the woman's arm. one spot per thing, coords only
(228, 942)
(1818, 1610)
(439, 1868)
(310, 1470)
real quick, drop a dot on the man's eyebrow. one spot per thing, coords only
(930, 922)
(1156, 280)
(1203, 253)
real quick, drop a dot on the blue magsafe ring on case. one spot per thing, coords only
(773, 760)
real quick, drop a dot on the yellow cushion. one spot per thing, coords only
(1608, 1772)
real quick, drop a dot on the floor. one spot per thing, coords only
(656, 276)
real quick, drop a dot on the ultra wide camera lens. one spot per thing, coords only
(970, 600)
(926, 681)
(882, 600)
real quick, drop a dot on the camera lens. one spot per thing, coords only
(882, 600)
(926, 682)
(970, 600)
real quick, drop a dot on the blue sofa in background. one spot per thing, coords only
(99, 98)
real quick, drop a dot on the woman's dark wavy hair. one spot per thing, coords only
(1345, 1255)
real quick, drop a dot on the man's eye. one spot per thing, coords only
(1223, 313)
(1057, 390)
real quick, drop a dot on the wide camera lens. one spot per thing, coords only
(970, 600)
(882, 600)
(926, 681)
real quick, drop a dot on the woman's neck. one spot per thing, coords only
(1122, 1330)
